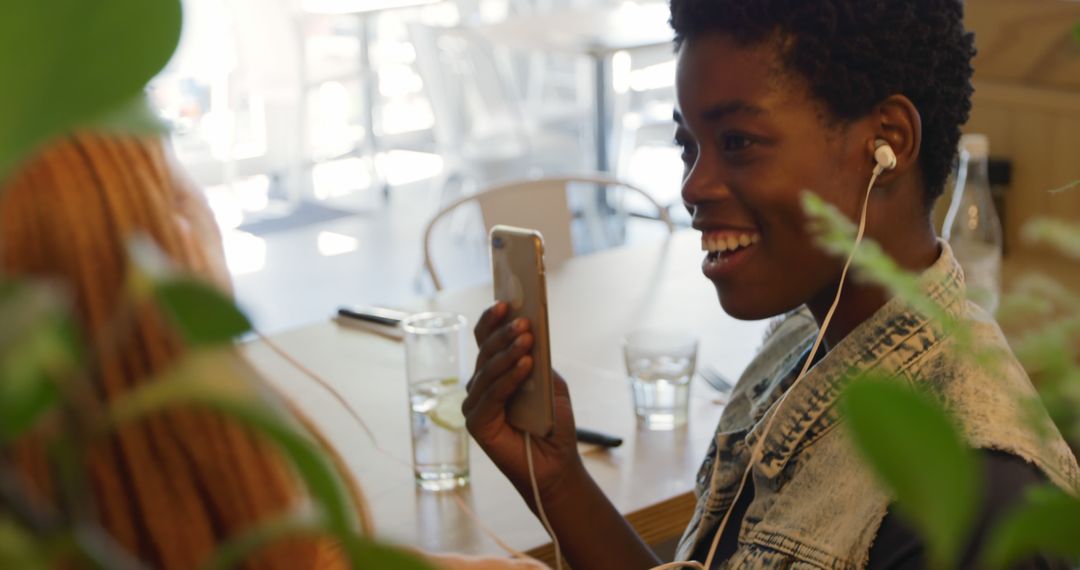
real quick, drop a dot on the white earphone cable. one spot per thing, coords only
(755, 454)
(540, 505)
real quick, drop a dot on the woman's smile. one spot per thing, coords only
(727, 250)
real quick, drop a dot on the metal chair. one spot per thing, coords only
(548, 205)
(482, 129)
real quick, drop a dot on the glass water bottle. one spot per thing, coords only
(972, 226)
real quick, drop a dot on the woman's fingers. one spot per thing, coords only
(500, 338)
(487, 406)
(488, 321)
(500, 363)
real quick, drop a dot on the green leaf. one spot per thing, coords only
(1051, 348)
(204, 315)
(836, 234)
(234, 552)
(217, 380)
(915, 450)
(64, 63)
(19, 549)
(1047, 521)
(37, 351)
(1062, 235)
(135, 115)
(1068, 187)
(377, 555)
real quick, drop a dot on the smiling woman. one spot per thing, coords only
(752, 145)
(777, 100)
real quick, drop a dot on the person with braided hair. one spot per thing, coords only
(169, 489)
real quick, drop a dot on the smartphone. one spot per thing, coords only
(517, 263)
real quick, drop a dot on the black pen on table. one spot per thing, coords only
(392, 318)
(597, 438)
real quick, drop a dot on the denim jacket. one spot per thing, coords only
(815, 504)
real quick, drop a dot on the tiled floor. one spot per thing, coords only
(290, 278)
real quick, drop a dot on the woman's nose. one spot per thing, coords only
(701, 183)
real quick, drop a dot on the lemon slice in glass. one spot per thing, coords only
(447, 411)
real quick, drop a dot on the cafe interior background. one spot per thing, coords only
(326, 133)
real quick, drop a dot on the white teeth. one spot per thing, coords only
(716, 243)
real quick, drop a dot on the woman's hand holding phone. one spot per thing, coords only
(504, 362)
(592, 533)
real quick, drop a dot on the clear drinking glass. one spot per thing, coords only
(660, 364)
(434, 364)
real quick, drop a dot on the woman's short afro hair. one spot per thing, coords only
(856, 53)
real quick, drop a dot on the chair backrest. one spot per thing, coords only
(543, 204)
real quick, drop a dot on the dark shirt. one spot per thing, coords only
(898, 547)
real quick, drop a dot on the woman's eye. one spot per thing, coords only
(735, 142)
(688, 150)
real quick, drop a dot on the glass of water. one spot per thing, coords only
(434, 364)
(660, 364)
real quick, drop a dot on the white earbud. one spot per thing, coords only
(886, 160)
(884, 155)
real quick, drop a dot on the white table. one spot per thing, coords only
(594, 300)
(597, 33)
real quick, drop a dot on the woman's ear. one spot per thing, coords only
(897, 121)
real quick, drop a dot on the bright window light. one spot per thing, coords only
(331, 243)
(406, 166)
(620, 71)
(659, 76)
(406, 115)
(253, 192)
(244, 252)
(335, 178)
(224, 204)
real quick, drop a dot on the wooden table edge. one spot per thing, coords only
(656, 524)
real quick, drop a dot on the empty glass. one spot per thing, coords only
(660, 364)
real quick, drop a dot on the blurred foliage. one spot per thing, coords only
(20, 549)
(37, 351)
(1047, 521)
(68, 65)
(914, 447)
(907, 437)
(219, 380)
(216, 380)
(1059, 234)
(201, 314)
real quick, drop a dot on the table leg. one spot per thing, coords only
(602, 122)
(603, 130)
